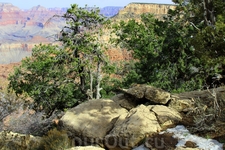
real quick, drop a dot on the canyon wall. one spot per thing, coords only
(134, 10)
(20, 29)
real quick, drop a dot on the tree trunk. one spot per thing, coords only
(99, 78)
(90, 93)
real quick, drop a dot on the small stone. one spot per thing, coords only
(190, 144)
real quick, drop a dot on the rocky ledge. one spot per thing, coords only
(139, 118)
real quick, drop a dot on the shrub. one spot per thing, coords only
(54, 140)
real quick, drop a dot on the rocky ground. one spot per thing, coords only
(140, 118)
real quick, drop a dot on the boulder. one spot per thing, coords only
(181, 105)
(167, 117)
(89, 122)
(138, 91)
(148, 94)
(86, 148)
(157, 95)
(130, 129)
(124, 101)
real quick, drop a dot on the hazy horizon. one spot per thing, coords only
(27, 4)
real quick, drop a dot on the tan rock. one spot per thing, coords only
(131, 128)
(134, 10)
(167, 117)
(137, 91)
(148, 93)
(90, 121)
(85, 148)
(157, 95)
(181, 104)
(124, 102)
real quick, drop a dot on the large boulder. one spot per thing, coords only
(149, 94)
(89, 122)
(181, 105)
(157, 95)
(124, 101)
(132, 128)
(167, 117)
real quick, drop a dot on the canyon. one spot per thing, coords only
(21, 30)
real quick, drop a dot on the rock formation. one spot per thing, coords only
(129, 122)
(99, 122)
(91, 120)
(134, 10)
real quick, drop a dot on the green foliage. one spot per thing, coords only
(207, 20)
(59, 77)
(54, 140)
(181, 52)
(48, 78)
(110, 86)
(83, 36)
(164, 57)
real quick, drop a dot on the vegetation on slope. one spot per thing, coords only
(183, 52)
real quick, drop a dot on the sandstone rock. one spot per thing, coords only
(150, 94)
(157, 95)
(181, 104)
(91, 120)
(167, 117)
(136, 9)
(85, 148)
(10, 140)
(138, 91)
(131, 128)
(124, 102)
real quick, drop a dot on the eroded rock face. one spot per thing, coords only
(134, 10)
(91, 120)
(131, 128)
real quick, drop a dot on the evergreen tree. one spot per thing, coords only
(181, 52)
(61, 77)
